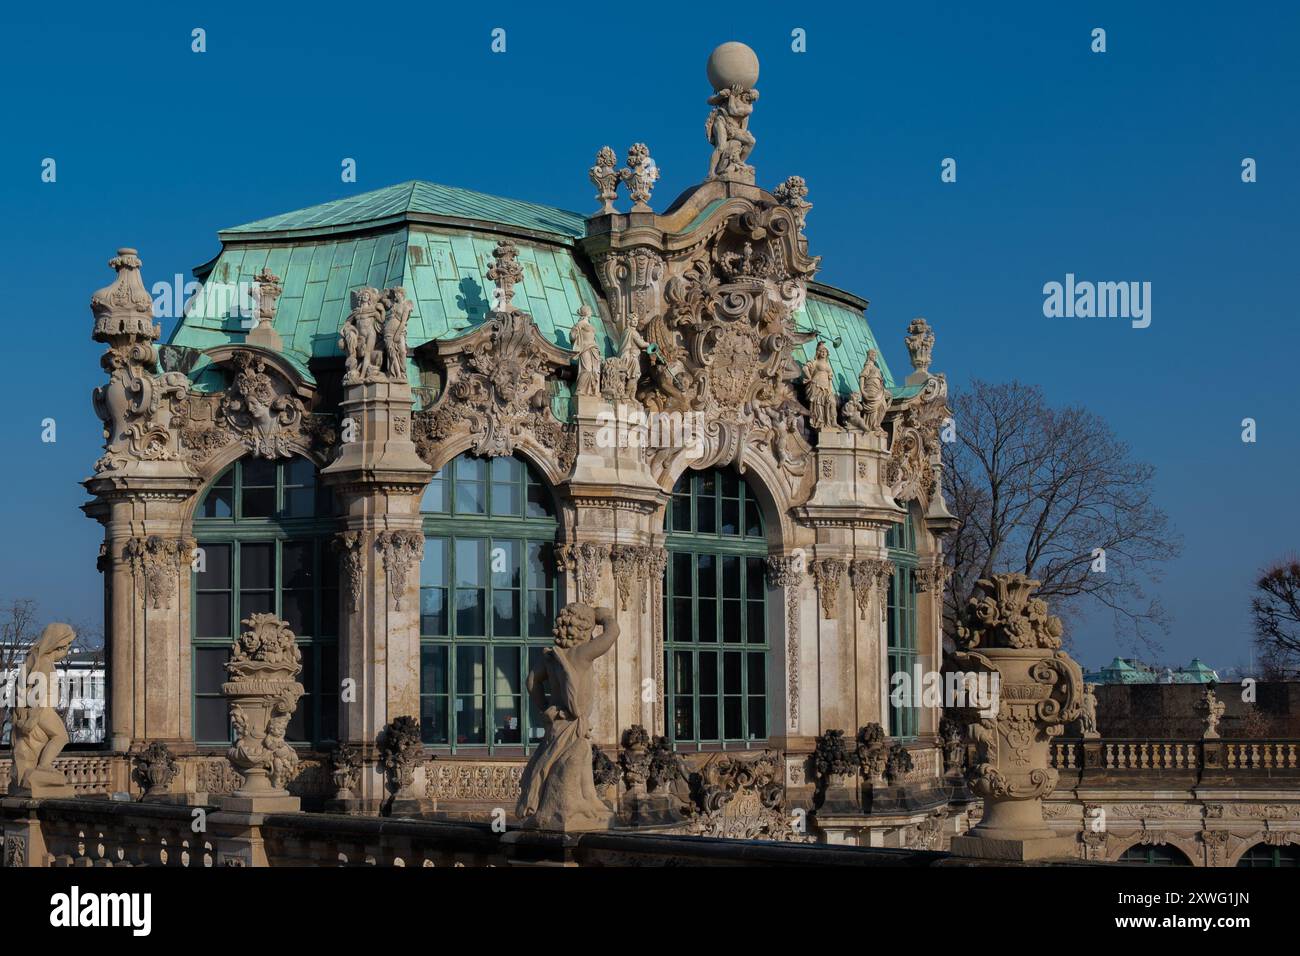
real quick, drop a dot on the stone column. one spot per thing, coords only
(1007, 633)
(142, 486)
(378, 479)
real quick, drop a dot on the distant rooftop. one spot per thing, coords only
(1124, 671)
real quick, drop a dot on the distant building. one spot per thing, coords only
(1124, 671)
(80, 695)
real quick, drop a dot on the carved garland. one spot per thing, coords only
(349, 545)
(828, 572)
(400, 550)
(787, 572)
(584, 560)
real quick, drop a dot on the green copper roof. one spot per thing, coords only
(444, 273)
(412, 200)
(410, 235)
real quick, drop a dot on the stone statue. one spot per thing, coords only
(622, 373)
(360, 334)
(398, 311)
(605, 178)
(732, 70)
(1213, 709)
(583, 337)
(865, 409)
(1088, 715)
(819, 379)
(557, 791)
(39, 734)
(875, 397)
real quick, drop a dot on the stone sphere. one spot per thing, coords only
(733, 64)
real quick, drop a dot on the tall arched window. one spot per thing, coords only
(900, 621)
(715, 612)
(264, 530)
(488, 596)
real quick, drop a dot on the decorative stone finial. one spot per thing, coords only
(605, 178)
(793, 194)
(505, 273)
(639, 175)
(123, 308)
(732, 71)
(920, 343)
(266, 293)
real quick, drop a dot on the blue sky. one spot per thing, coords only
(1116, 166)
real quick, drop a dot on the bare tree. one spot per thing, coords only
(1275, 613)
(17, 632)
(1053, 493)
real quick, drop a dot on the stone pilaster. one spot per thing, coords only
(610, 559)
(378, 480)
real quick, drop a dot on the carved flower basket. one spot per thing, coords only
(1039, 690)
(263, 694)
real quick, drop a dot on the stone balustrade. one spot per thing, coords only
(1090, 755)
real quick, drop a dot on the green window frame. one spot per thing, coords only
(901, 624)
(716, 651)
(489, 593)
(1263, 855)
(1154, 855)
(264, 529)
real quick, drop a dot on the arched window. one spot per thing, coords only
(488, 596)
(715, 612)
(1261, 854)
(900, 621)
(264, 530)
(1154, 855)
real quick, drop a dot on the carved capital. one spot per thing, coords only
(157, 564)
(584, 560)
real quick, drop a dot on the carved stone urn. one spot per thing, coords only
(263, 692)
(1007, 632)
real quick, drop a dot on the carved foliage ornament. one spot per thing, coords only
(496, 381)
(157, 564)
(585, 560)
(400, 550)
(787, 571)
(828, 572)
(260, 409)
(635, 564)
(868, 575)
(723, 345)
